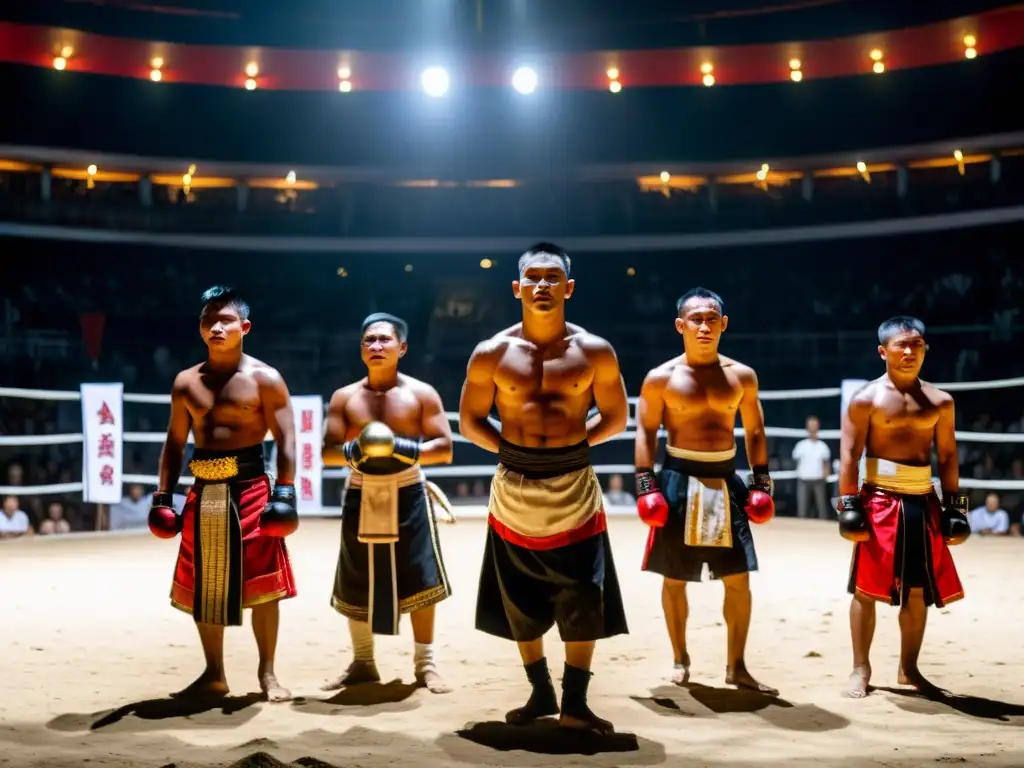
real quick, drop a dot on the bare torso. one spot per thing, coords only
(543, 394)
(226, 408)
(701, 402)
(400, 407)
(901, 426)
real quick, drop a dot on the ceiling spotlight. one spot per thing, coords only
(91, 170)
(435, 81)
(876, 54)
(250, 84)
(408, 267)
(614, 86)
(613, 73)
(157, 63)
(706, 68)
(878, 67)
(794, 63)
(344, 73)
(156, 75)
(290, 178)
(631, 271)
(709, 80)
(796, 75)
(486, 263)
(970, 41)
(524, 80)
(345, 86)
(862, 167)
(971, 53)
(252, 69)
(666, 177)
(60, 63)
(66, 52)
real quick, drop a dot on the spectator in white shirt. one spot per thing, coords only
(132, 512)
(989, 519)
(616, 496)
(812, 459)
(13, 521)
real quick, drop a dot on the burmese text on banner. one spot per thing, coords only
(308, 412)
(103, 451)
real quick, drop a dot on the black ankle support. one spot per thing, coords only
(575, 682)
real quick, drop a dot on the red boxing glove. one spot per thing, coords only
(760, 507)
(164, 522)
(280, 518)
(650, 504)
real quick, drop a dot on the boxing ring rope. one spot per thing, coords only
(487, 470)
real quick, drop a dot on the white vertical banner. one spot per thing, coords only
(103, 449)
(308, 412)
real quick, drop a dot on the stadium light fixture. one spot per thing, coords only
(524, 80)
(435, 81)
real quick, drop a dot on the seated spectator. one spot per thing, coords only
(13, 521)
(132, 512)
(55, 521)
(616, 496)
(989, 519)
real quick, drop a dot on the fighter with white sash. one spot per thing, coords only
(900, 527)
(699, 510)
(547, 560)
(385, 427)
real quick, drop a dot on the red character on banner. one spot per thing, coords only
(306, 489)
(307, 420)
(307, 456)
(107, 475)
(106, 448)
(105, 414)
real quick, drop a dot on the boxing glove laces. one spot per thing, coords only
(650, 504)
(955, 527)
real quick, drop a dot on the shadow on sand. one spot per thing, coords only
(222, 711)
(940, 701)
(362, 699)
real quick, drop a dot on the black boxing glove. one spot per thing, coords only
(955, 527)
(353, 453)
(407, 451)
(280, 517)
(853, 522)
(760, 480)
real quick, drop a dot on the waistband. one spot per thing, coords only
(542, 463)
(898, 478)
(701, 463)
(402, 479)
(218, 466)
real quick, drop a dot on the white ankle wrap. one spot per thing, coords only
(423, 658)
(362, 640)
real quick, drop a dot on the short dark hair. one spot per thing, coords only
(544, 249)
(896, 325)
(222, 295)
(400, 326)
(700, 293)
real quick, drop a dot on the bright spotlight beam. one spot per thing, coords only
(524, 80)
(435, 81)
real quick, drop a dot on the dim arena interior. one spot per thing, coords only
(702, 136)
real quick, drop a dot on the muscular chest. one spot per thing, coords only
(398, 408)
(219, 399)
(532, 372)
(713, 390)
(905, 412)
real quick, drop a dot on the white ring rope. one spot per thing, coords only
(488, 471)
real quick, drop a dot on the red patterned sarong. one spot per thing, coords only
(906, 550)
(227, 562)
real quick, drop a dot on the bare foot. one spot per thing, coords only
(272, 689)
(210, 684)
(432, 681)
(681, 671)
(743, 679)
(858, 686)
(913, 677)
(358, 673)
(586, 721)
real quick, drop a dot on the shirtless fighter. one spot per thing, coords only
(385, 427)
(699, 510)
(232, 554)
(547, 559)
(900, 527)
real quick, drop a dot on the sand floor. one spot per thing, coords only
(89, 647)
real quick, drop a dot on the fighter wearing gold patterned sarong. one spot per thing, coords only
(700, 512)
(385, 427)
(547, 560)
(232, 553)
(900, 527)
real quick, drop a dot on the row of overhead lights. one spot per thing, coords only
(436, 81)
(484, 264)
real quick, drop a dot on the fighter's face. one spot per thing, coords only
(380, 346)
(904, 353)
(543, 285)
(701, 324)
(222, 327)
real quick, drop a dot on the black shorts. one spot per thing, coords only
(667, 553)
(524, 592)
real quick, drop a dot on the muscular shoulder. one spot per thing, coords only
(595, 347)
(940, 397)
(863, 400)
(488, 352)
(741, 371)
(422, 391)
(185, 379)
(658, 377)
(265, 375)
(343, 394)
